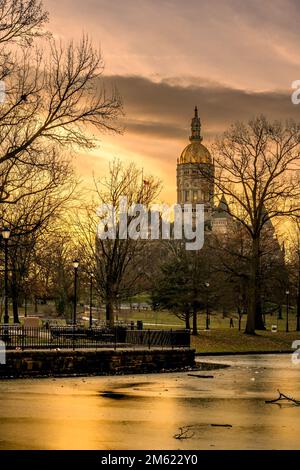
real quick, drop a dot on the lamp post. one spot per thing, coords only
(287, 293)
(5, 236)
(207, 311)
(91, 299)
(75, 266)
(298, 315)
(298, 295)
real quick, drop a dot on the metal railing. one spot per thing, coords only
(73, 337)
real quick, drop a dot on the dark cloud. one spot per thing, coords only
(164, 109)
(157, 129)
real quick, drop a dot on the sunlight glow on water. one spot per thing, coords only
(145, 411)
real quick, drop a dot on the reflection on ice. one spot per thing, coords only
(147, 411)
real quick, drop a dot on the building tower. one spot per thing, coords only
(195, 172)
(221, 219)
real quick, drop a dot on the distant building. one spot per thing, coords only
(220, 218)
(195, 180)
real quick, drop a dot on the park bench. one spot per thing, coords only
(77, 334)
(100, 335)
(66, 333)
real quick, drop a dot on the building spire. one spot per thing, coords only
(196, 128)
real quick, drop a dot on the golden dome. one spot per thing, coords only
(195, 152)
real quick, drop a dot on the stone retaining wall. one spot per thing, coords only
(48, 363)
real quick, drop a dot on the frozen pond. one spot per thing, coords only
(145, 411)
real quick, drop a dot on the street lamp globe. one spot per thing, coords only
(75, 264)
(6, 233)
(207, 284)
(287, 292)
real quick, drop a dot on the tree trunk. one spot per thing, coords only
(259, 319)
(15, 294)
(109, 313)
(298, 298)
(195, 329)
(254, 318)
(15, 310)
(187, 321)
(259, 322)
(240, 317)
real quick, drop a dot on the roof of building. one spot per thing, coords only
(222, 211)
(195, 152)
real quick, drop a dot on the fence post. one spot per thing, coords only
(23, 333)
(149, 339)
(48, 336)
(172, 338)
(115, 338)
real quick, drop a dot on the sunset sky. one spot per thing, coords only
(234, 59)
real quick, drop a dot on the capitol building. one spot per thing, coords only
(195, 180)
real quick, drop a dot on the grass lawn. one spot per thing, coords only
(151, 319)
(221, 340)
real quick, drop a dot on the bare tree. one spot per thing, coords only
(21, 20)
(29, 218)
(257, 169)
(232, 268)
(50, 107)
(118, 263)
(55, 101)
(294, 264)
(54, 95)
(51, 275)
